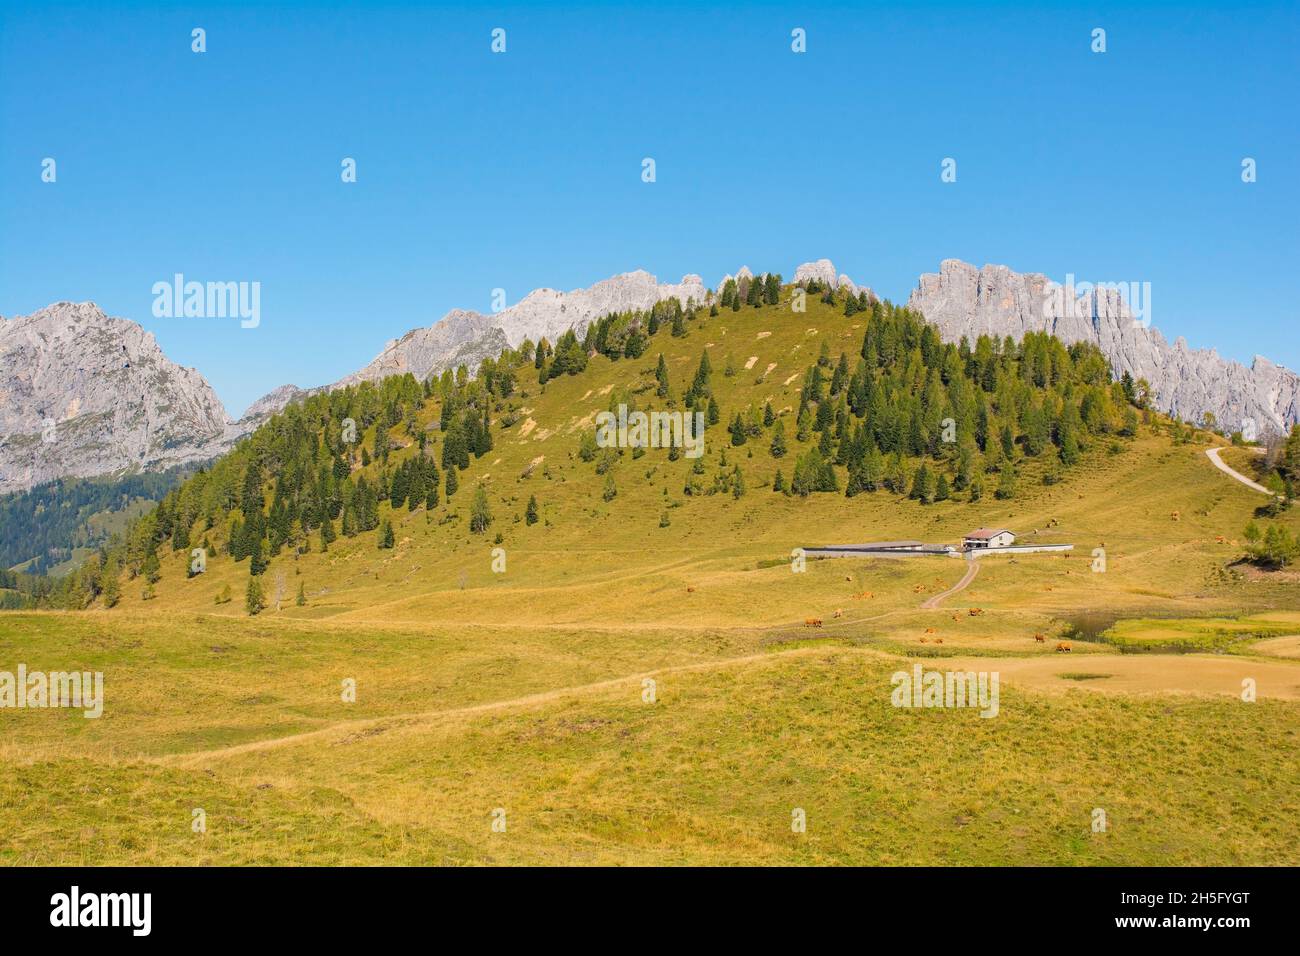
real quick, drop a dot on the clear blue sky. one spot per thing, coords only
(522, 170)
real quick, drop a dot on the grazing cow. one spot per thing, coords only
(1040, 639)
(1175, 515)
(1062, 648)
(690, 590)
(976, 611)
(938, 640)
(929, 630)
(839, 612)
(924, 640)
(812, 622)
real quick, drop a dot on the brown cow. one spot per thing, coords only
(1040, 639)
(839, 612)
(1062, 648)
(812, 622)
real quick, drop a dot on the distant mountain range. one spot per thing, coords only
(83, 394)
(962, 300)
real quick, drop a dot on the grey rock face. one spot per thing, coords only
(464, 337)
(824, 271)
(109, 401)
(964, 301)
(272, 402)
(83, 394)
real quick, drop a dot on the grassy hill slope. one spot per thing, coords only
(525, 690)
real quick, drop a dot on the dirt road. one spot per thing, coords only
(1213, 455)
(967, 578)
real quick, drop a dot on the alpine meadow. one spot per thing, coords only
(446, 482)
(402, 611)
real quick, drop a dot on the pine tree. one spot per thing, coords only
(778, 447)
(151, 568)
(1006, 482)
(452, 483)
(803, 425)
(254, 600)
(386, 537)
(301, 600)
(923, 484)
(661, 376)
(611, 490)
(737, 430)
(480, 514)
(737, 483)
(530, 515)
(111, 589)
(256, 563)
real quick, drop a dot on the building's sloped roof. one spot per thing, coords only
(983, 534)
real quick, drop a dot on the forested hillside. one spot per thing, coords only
(899, 412)
(44, 526)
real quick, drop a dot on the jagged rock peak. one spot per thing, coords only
(994, 300)
(823, 270)
(83, 393)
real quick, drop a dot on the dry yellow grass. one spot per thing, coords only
(523, 690)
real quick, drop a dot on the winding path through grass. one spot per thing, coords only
(931, 603)
(1213, 455)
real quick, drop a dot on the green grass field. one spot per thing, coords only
(524, 691)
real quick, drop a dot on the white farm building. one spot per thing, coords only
(982, 538)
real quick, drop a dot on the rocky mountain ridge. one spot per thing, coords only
(964, 301)
(84, 394)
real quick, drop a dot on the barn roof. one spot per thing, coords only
(983, 534)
